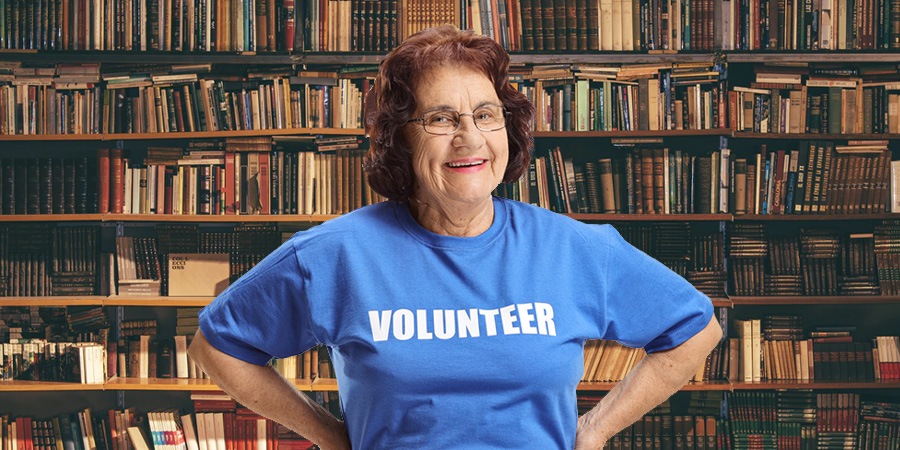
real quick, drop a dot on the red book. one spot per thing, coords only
(20, 433)
(229, 183)
(103, 180)
(160, 189)
(230, 443)
(288, 10)
(186, 182)
(116, 182)
(265, 190)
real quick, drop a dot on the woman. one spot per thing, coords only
(454, 319)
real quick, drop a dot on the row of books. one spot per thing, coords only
(670, 432)
(680, 96)
(40, 260)
(833, 110)
(285, 181)
(649, 180)
(186, 105)
(129, 430)
(805, 25)
(48, 185)
(146, 25)
(77, 362)
(812, 262)
(605, 25)
(609, 360)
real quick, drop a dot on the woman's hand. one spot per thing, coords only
(587, 436)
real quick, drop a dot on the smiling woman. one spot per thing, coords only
(454, 319)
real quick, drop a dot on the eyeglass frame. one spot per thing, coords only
(459, 114)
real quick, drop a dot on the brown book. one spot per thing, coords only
(548, 23)
(647, 180)
(637, 182)
(527, 25)
(593, 25)
(606, 186)
(571, 25)
(659, 191)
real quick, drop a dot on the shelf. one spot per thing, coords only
(50, 217)
(184, 135)
(651, 217)
(142, 57)
(217, 218)
(827, 56)
(816, 300)
(691, 386)
(324, 384)
(811, 217)
(795, 384)
(175, 384)
(86, 300)
(158, 301)
(45, 386)
(330, 385)
(722, 303)
(633, 133)
(813, 136)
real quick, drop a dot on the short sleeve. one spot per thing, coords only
(264, 314)
(647, 305)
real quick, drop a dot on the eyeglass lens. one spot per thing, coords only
(446, 121)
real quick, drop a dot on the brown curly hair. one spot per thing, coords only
(391, 103)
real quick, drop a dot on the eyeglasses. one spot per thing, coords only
(446, 121)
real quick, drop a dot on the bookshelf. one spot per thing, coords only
(581, 145)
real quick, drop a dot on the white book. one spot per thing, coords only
(219, 426)
(181, 357)
(261, 434)
(606, 25)
(627, 26)
(617, 25)
(201, 431)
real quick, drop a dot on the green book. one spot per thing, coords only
(834, 110)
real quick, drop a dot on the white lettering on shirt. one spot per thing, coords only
(444, 324)
(403, 324)
(380, 325)
(544, 313)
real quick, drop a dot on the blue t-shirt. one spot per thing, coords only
(455, 343)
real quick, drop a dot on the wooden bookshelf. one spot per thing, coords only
(176, 384)
(324, 384)
(51, 217)
(632, 133)
(46, 386)
(91, 300)
(816, 300)
(184, 135)
(157, 301)
(691, 386)
(824, 56)
(812, 217)
(813, 136)
(161, 57)
(794, 384)
(651, 217)
(193, 218)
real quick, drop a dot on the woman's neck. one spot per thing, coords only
(463, 221)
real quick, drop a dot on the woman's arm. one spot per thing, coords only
(651, 382)
(267, 393)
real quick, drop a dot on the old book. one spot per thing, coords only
(198, 274)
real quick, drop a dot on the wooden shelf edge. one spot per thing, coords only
(280, 218)
(46, 386)
(651, 217)
(633, 133)
(812, 217)
(184, 135)
(119, 300)
(812, 384)
(815, 300)
(90, 300)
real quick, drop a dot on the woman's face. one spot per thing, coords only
(463, 167)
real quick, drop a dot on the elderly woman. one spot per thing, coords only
(454, 319)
